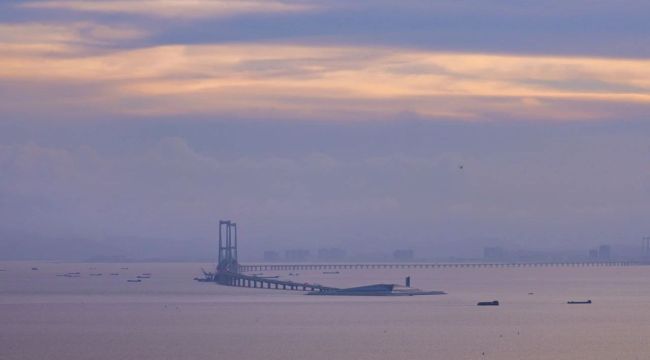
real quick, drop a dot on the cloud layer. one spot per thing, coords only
(125, 67)
(302, 81)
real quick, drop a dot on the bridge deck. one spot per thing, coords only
(292, 267)
(238, 278)
(242, 280)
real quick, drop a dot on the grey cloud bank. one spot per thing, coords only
(114, 190)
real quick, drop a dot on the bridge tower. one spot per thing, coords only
(227, 262)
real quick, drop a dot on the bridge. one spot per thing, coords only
(342, 266)
(231, 273)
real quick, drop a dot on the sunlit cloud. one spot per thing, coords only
(173, 8)
(306, 81)
(41, 39)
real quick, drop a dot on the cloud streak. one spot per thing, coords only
(172, 8)
(42, 40)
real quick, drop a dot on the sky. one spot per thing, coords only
(130, 128)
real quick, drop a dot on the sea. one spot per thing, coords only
(168, 315)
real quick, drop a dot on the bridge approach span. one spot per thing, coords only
(364, 266)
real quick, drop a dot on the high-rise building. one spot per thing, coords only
(271, 256)
(331, 254)
(403, 255)
(494, 253)
(296, 255)
(604, 253)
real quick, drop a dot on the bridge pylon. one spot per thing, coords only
(227, 260)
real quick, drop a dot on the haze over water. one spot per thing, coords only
(169, 316)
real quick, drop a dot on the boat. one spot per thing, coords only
(488, 303)
(579, 302)
(134, 280)
(143, 277)
(331, 272)
(115, 274)
(34, 268)
(207, 276)
(377, 290)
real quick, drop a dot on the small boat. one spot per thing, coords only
(124, 268)
(331, 272)
(134, 280)
(488, 303)
(579, 302)
(143, 277)
(34, 268)
(146, 274)
(115, 274)
(96, 274)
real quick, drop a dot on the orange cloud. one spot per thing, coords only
(172, 8)
(40, 40)
(326, 81)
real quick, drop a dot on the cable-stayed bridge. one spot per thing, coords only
(230, 272)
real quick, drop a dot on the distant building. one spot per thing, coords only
(271, 256)
(403, 255)
(331, 254)
(296, 255)
(593, 254)
(604, 253)
(494, 253)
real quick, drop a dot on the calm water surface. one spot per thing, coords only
(169, 316)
